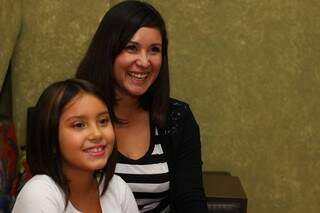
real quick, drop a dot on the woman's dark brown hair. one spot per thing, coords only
(116, 29)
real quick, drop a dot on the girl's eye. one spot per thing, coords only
(103, 121)
(78, 125)
(131, 48)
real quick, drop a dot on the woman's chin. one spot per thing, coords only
(135, 92)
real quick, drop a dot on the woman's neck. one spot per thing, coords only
(127, 107)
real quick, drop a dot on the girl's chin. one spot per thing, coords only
(99, 166)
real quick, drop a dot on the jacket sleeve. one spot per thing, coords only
(189, 194)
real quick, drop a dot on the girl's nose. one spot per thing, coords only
(95, 133)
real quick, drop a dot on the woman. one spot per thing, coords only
(157, 137)
(70, 151)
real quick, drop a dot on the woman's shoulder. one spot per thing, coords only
(178, 110)
(175, 104)
(177, 115)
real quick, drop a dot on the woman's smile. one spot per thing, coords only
(138, 65)
(138, 76)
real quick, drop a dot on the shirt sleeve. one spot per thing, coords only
(39, 195)
(128, 203)
(188, 188)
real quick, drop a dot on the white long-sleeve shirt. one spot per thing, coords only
(42, 195)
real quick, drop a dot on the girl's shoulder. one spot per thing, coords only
(40, 183)
(39, 193)
(117, 185)
(118, 197)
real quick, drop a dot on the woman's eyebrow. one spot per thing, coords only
(137, 43)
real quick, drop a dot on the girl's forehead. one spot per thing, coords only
(73, 100)
(85, 103)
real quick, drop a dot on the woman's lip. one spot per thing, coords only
(138, 74)
(138, 77)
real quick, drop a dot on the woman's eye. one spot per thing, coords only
(131, 48)
(155, 49)
(78, 125)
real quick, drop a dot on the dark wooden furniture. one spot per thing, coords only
(224, 192)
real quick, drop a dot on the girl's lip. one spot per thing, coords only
(96, 151)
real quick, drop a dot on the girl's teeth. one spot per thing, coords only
(94, 150)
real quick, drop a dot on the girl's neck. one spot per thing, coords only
(80, 185)
(81, 182)
(84, 192)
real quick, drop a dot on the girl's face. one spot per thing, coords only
(139, 63)
(86, 135)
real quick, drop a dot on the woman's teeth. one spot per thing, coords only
(139, 76)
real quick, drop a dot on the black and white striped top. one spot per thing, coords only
(148, 177)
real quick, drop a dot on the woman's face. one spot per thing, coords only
(86, 135)
(139, 63)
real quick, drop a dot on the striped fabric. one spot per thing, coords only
(148, 177)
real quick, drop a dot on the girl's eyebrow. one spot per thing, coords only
(83, 116)
(104, 113)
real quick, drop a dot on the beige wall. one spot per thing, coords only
(248, 68)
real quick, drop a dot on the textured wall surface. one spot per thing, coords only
(248, 68)
(53, 36)
(10, 23)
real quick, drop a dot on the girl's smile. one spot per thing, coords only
(96, 151)
(86, 135)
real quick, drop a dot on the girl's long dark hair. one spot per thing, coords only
(43, 151)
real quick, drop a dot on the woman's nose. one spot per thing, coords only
(143, 60)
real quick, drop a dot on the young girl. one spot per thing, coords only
(70, 151)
